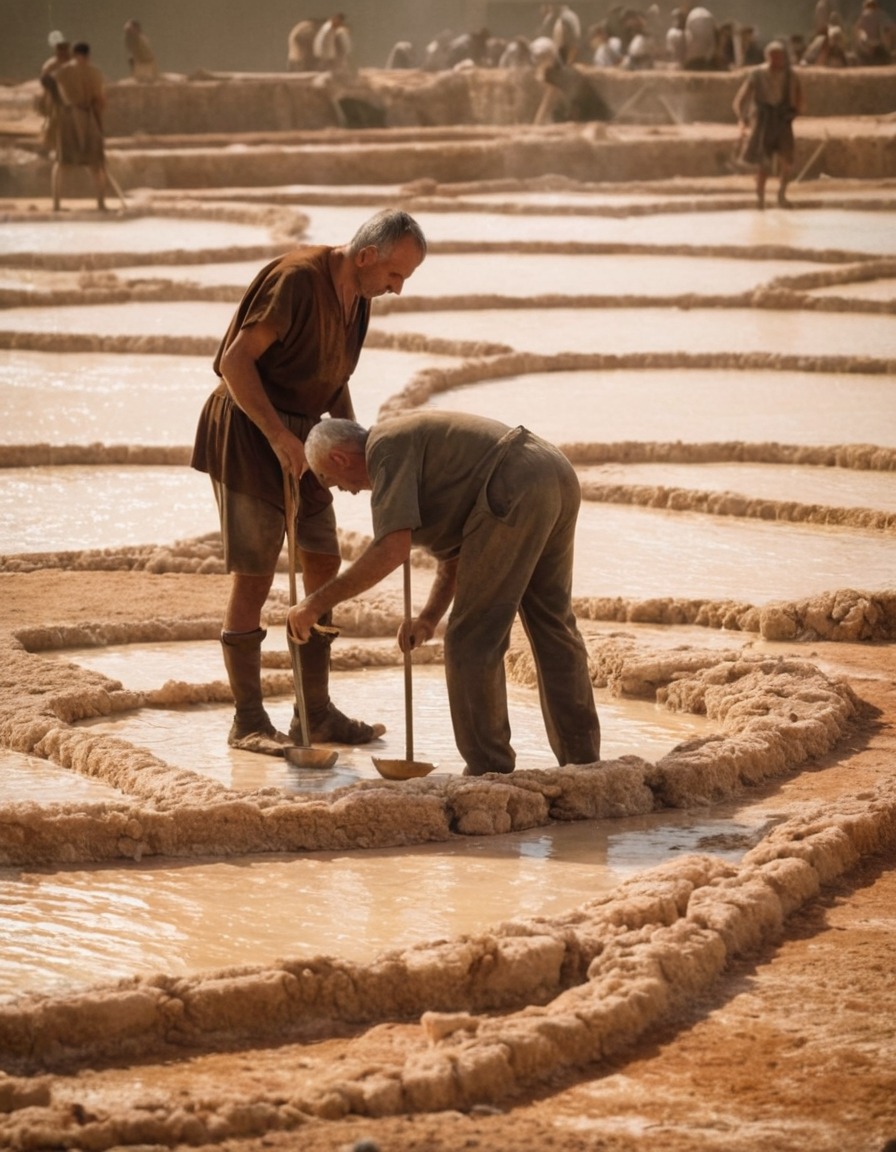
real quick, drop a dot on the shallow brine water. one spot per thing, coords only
(127, 398)
(527, 274)
(619, 331)
(803, 484)
(621, 550)
(65, 930)
(147, 234)
(539, 331)
(843, 229)
(196, 737)
(101, 507)
(692, 405)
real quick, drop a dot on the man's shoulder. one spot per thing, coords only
(303, 266)
(304, 257)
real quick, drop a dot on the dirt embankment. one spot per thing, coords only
(224, 130)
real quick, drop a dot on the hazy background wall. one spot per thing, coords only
(241, 35)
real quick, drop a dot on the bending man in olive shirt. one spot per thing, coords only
(286, 359)
(497, 507)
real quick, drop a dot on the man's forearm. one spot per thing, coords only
(373, 565)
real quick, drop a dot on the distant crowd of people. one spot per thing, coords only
(632, 38)
(73, 98)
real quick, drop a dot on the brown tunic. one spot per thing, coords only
(772, 100)
(304, 372)
(82, 97)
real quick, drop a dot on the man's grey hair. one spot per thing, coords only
(384, 230)
(333, 433)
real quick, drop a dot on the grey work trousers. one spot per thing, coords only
(517, 557)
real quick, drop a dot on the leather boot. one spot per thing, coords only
(252, 729)
(326, 724)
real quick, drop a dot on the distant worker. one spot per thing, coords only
(874, 35)
(495, 48)
(726, 51)
(333, 44)
(568, 94)
(561, 24)
(435, 55)
(675, 41)
(821, 17)
(639, 56)
(300, 46)
(48, 102)
(747, 51)
(766, 104)
(517, 54)
(828, 49)
(468, 50)
(141, 57)
(82, 101)
(700, 41)
(606, 49)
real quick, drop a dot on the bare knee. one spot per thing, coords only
(247, 597)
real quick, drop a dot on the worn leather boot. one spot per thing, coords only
(326, 724)
(252, 730)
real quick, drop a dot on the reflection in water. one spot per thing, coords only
(185, 318)
(854, 230)
(125, 398)
(101, 398)
(520, 274)
(102, 507)
(28, 778)
(195, 738)
(643, 552)
(516, 273)
(684, 404)
(803, 484)
(621, 549)
(642, 330)
(141, 234)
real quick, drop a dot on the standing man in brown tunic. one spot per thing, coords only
(497, 507)
(767, 103)
(82, 101)
(285, 361)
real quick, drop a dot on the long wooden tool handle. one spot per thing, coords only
(290, 506)
(408, 710)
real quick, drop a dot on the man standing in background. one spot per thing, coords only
(766, 104)
(80, 142)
